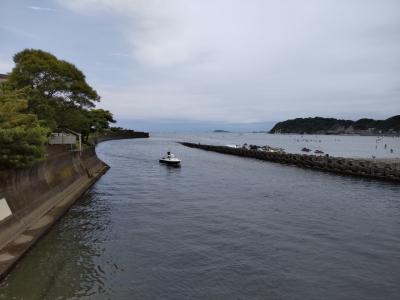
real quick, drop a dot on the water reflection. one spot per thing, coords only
(63, 265)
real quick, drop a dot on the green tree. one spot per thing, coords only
(22, 138)
(99, 119)
(55, 87)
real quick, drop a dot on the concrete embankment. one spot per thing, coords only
(32, 200)
(119, 135)
(378, 169)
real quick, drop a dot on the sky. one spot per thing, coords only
(199, 64)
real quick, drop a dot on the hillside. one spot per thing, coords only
(319, 125)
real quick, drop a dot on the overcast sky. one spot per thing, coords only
(236, 61)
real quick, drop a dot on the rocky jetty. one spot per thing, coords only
(377, 169)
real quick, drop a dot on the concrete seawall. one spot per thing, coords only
(119, 135)
(33, 199)
(377, 169)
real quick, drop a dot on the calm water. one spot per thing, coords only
(220, 227)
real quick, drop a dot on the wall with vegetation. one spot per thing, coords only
(31, 192)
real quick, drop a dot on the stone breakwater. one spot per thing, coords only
(378, 169)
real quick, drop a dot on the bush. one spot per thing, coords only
(22, 138)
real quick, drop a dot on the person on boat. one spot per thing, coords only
(170, 155)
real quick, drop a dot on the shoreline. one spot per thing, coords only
(40, 196)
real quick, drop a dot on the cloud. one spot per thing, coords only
(39, 8)
(257, 60)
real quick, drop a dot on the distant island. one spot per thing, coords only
(221, 131)
(320, 125)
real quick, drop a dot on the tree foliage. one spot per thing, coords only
(55, 87)
(44, 94)
(309, 125)
(327, 125)
(96, 121)
(99, 119)
(22, 138)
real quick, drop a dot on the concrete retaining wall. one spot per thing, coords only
(346, 166)
(123, 134)
(34, 198)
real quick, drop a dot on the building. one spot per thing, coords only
(61, 138)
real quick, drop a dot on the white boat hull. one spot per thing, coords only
(170, 161)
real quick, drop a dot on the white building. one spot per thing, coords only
(61, 138)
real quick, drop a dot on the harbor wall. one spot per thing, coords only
(378, 169)
(119, 135)
(33, 199)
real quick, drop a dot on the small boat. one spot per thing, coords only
(170, 159)
(305, 149)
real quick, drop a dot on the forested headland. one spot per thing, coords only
(320, 125)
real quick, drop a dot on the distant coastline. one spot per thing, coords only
(319, 125)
